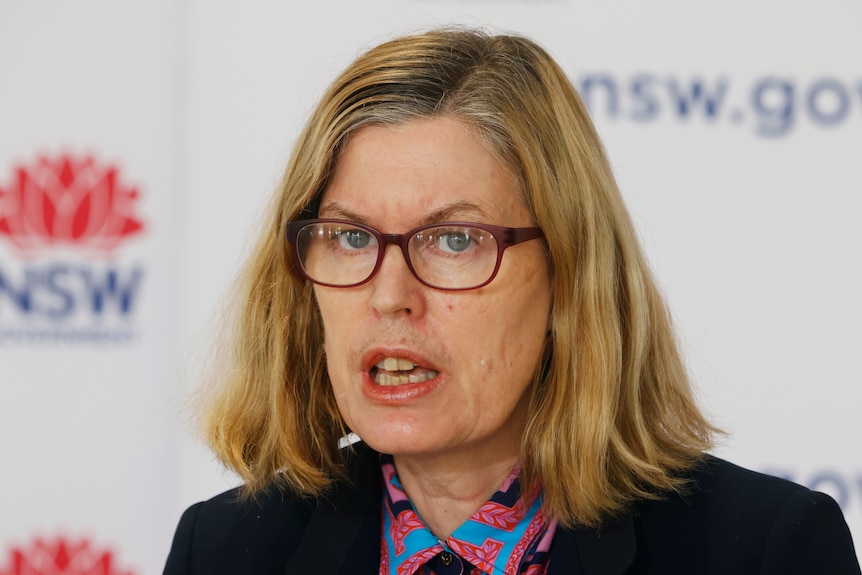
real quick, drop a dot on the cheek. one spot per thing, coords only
(338, 362)
(522, 327)
(336, 311)
(335, 325)
(494, 336)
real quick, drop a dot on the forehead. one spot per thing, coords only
(400, 174)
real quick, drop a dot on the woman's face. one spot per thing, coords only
(473, 352)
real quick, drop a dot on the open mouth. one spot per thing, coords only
(398, 371)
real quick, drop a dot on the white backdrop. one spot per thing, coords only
(735, 132)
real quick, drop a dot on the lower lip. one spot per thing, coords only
(397, 394)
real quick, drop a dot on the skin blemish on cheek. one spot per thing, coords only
(487, 365)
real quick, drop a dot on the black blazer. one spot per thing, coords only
(734, 522)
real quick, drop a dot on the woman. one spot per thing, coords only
(450, 274)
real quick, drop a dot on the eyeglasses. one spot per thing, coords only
(446, 256)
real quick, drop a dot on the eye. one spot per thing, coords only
(354, 239)
(454, 241)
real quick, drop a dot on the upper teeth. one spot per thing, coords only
(395, 364)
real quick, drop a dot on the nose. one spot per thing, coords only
(395, 290)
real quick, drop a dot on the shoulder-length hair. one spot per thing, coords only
(611, 418)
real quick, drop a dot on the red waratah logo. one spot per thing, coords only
(67, 200)
(61, 557)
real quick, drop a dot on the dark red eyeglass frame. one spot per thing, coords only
(505, 237)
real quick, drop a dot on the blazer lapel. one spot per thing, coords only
(606, 551)
(343, 534)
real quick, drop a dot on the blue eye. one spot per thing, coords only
(455, 242)
(354, 239)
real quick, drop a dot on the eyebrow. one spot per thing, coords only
(459, 210)
(336, 210)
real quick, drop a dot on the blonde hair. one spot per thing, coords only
(611, 417)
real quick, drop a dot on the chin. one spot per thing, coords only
(397, 442)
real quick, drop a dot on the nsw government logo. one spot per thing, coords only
(60, 556)
(62, 222)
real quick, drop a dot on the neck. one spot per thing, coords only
(447, 490)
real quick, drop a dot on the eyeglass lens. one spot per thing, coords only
(445, 256)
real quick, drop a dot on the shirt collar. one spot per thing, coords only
(505, 535)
